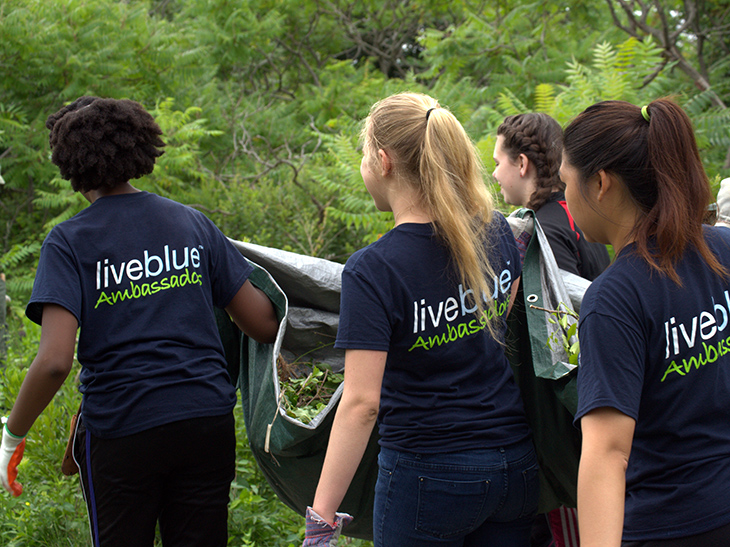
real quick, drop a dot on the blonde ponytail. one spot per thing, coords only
(437, 158)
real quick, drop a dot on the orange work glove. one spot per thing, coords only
(11, 452)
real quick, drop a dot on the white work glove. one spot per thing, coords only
(11, 452)
(320, 533)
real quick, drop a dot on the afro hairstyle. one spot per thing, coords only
(99, 143)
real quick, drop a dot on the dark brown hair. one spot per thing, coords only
(540, 138)
(103, 142)
(658, 162)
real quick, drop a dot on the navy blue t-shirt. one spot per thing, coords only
(660, 353)
(447, 384)
(142, 274)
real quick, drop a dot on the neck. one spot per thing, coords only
(124, 188)
(529, 186)
(416, 217)
(406, 207)
(623, 224)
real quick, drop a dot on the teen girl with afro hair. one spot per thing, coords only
(139, 275)
(105, 145)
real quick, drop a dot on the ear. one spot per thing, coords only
(605, 184)
(524, 162)
(386, 164)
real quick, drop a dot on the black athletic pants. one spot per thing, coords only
(178, 474)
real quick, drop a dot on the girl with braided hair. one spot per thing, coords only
(527, 158)
(138, 276)
(422, 320)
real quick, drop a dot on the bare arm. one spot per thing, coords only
(353, 424)
(254, 313)
(48, 370)
(607, 437)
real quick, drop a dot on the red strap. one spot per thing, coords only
(564, 204)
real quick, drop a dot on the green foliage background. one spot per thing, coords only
(261, 102)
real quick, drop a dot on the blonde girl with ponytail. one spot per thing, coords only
(422, 321)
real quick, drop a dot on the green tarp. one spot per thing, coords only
(305, 291)
(547, 381)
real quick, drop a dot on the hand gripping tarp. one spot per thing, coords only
(290, 454)
(546, 379)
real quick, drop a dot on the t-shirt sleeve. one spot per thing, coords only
(57, 279)
(363, 322)
(611, 370)
(229, 268)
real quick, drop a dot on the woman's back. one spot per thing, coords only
(654, 380)
(573, 253)
(447, 383)
(670, 355)
(144, 295)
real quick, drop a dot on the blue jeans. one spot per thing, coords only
(476, 498)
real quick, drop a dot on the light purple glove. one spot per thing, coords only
(320, 533)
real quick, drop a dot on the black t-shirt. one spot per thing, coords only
(572, 252)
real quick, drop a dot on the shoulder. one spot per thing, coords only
(718, 237)
(159, 202)
(558, 225)
(375, 253)
(61, 235)
(555, 205)
(499, 222)
(553, 218)
(626, 283)
(399, 252)
(499, 228)
(184, 216)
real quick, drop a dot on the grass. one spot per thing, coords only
(51, 511)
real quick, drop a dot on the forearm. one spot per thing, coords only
(38, 389)
(601, 492)
(48, 370)
(607, 438)
(349, 438)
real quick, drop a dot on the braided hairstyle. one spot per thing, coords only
(540, 138)
(103, 142)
